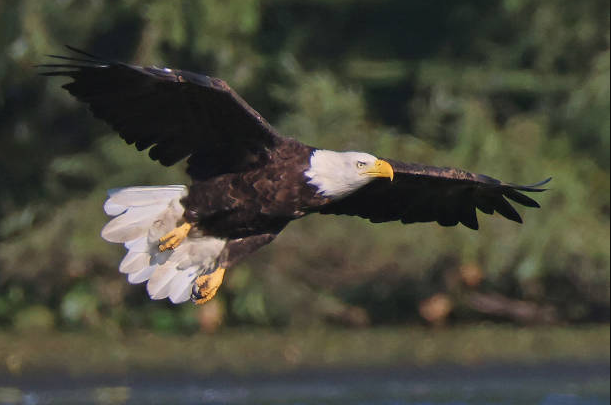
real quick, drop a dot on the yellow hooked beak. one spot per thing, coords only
(381, 168)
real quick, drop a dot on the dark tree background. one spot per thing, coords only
(513, 88)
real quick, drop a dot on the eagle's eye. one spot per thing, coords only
(360, 165)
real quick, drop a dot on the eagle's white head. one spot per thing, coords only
(337, 174)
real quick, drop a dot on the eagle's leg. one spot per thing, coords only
(206, 286)
(173, 238)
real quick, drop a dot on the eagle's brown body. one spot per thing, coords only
(260, 200)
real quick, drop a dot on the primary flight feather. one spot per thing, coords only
(248, 182)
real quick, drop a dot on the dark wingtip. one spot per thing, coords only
(79, 51)
(541, 183)
(520, 198)
(70, 58)
(506, 209)
(55, 65)
(68, 73)
(70, 69)
(533, 187)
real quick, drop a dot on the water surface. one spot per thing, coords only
(562, 384)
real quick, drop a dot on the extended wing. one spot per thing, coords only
(178, 113)
(422, 193)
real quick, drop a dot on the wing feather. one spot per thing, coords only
(520, 198)
(505, 209)
(422, 193)
(175, 113)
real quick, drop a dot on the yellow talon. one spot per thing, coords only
(173, 238)
(207, 285)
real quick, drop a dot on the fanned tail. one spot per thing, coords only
(142, 216)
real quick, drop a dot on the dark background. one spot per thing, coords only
(515, 89)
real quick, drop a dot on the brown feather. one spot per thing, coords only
(422, 193)
(175, 112)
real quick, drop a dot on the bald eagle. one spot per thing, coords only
(248, 181)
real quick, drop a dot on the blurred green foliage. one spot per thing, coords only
(512, 88)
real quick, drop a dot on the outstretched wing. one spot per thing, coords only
(178, 113)
(421, 193)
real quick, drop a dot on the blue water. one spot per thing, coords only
(562, 384)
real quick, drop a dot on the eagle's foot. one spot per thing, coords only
(206, 286)
(173, 238)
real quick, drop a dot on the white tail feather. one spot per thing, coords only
(182, 284)
(142, 216)
(141, 275)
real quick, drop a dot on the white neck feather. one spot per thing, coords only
(335, 174)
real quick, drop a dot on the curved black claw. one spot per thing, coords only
(195, 295)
